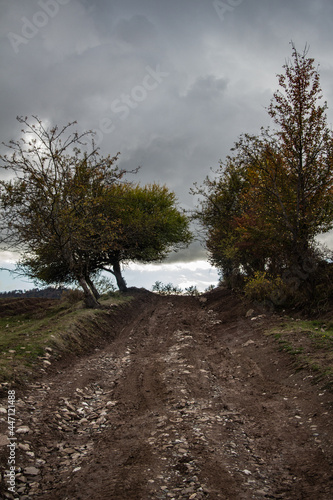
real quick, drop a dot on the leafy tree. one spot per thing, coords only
(274, 195)
(50, 207)
(72, 215)
(150, 226)
(294, 165)
(217, 214)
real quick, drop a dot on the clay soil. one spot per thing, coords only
(187, 399)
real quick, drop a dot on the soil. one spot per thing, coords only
(187, 399)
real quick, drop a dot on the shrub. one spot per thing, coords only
(262, 288)
(192, 291)
(166, 289)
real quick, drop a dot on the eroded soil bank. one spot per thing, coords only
(188, 400)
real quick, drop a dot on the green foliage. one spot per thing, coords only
(104, 285)
(170, 289)
(311, 345)
(219, 207)
(51, 206)
(192, 291)
(262, 287)
(166, 289)
(150, 223)
(273, 196)
(71, 214)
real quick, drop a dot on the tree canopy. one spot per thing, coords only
(71, 213)
(273, 194)
(150, 225)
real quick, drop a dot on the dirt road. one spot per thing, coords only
(187, 400)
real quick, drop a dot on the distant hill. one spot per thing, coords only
(47, 293)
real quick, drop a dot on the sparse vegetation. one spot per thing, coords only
(170, 289)
(310, 343)
(192, 291)
(166, 289)
(264, 288)
(49, 329)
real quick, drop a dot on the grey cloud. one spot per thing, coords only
(207, 88)
(195, 251)
(138, 32)
(221, 75)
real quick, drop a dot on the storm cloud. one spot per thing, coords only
(171, 85)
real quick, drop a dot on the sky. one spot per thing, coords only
(171, 85)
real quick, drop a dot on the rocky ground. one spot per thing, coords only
(188, 400)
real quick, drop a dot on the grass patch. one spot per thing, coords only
(311, 345)
(31, 339)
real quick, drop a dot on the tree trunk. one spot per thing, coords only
(92, 288)
(120, 280)
(89, 298)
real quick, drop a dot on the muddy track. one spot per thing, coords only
(190, 400)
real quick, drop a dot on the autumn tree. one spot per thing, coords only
(219, 207)
(282, 200)
(296, 163)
